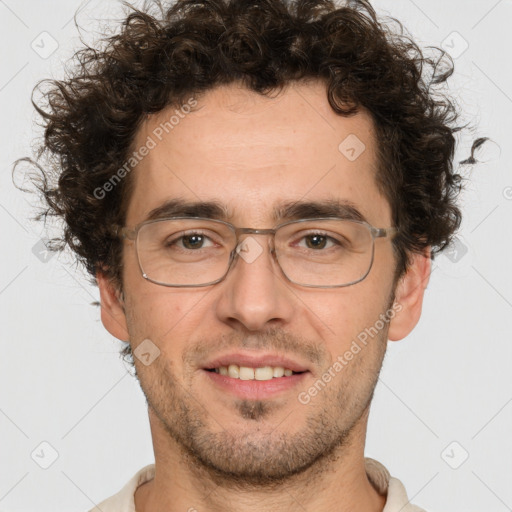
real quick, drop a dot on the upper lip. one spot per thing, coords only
(252, 360)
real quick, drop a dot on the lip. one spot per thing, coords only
(255, 389)
(252, 360)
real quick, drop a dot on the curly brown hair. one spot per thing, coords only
(161, 57)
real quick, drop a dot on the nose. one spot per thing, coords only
(255, 294)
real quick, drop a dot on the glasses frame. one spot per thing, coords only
(125, 232)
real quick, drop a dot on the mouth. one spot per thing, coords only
(261, 373)
(248, 376)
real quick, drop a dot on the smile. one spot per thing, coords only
(247, 373)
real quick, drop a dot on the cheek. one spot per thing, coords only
(344, 314)
(168, 317)
(157, 320)
(153, 309)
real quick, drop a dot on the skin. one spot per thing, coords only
(214, 451)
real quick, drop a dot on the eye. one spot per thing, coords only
(190, 241)
(318, 241)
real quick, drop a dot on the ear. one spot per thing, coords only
(112, 308)
(409, 296)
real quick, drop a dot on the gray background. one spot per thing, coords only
(445, 392)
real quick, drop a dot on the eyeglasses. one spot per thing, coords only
(192, 251)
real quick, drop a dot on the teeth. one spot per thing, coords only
(246, 373)
(233, 371)
(265, 373)
(278, 371)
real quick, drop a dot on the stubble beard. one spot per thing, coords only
(258, 457)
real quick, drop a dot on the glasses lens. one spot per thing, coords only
(195, 252)
(184, 252)
(325, 252)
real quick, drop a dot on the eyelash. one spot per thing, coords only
(176, 240)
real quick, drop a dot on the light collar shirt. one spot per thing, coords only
(379, 476)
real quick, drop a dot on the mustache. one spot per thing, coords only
(271, 340)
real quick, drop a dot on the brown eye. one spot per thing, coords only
(193, 241)
(316, 241)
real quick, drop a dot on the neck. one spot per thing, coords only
(337, 482)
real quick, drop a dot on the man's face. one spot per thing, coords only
(251, 154)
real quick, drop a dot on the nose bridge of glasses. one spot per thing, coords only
(252, 231)
(249, 248)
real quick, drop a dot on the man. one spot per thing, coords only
(258, 189)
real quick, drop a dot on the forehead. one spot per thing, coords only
(252, 153)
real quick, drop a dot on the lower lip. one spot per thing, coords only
(255, 389)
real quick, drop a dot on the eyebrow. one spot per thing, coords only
(282, 212)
